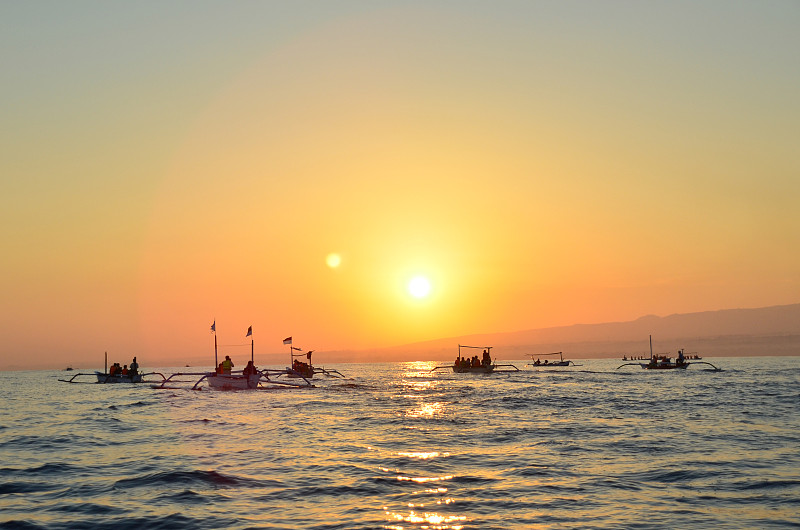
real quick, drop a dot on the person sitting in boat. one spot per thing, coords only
(112, 369)
(487, 360)
(300, 366)
(680, 357)
(250, 369)
(134, 369)
(227, 365)
(125, 370)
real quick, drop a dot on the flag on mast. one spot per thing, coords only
(214, 326)
(287, 340)
(249, 331)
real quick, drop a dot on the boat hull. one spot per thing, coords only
(550, 365)
(233, 382)
(664, 366)
(306, 372)
(473, 369)
(105, 378)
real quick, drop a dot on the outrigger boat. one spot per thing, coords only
(548, 364)
(665, 362)
(236, 380)
(476, 366)
(305, 369)
(250, 378)
(105, 377)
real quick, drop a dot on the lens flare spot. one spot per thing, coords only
(333, 260)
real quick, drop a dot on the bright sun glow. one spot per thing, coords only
(419, 287)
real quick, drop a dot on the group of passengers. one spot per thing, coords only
(225, 367)
(665, 359)
(300, 366)
(117, 370)
(537, 362)
(475, 362)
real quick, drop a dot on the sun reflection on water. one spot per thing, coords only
(423, 455)
(426, 410)
(432, 520)
(422, 480)
(417, 368)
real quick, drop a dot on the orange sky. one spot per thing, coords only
(539, 163)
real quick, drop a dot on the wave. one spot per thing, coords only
(211, 479)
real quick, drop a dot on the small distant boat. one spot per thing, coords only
(68, 369)
(484, 365)
(547, 363)
(665, 362)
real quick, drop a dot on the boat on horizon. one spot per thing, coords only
(537, 363)
(665, 362)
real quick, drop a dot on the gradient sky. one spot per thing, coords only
(165, 165)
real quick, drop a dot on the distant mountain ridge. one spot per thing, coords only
(771, 330)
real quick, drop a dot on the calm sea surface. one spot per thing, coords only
(393, 446)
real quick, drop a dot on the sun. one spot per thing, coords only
(419, 287)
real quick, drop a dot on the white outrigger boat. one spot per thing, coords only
(665, 362)
(475, 365)
(236, 380)
(250, 378)
(537, 363)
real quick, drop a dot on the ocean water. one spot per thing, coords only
(394, 446)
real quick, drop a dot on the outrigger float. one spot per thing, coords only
(664, 362)
(547, 363)
(485, 365)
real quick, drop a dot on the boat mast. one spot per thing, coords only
(105, 364)
(651, 347)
